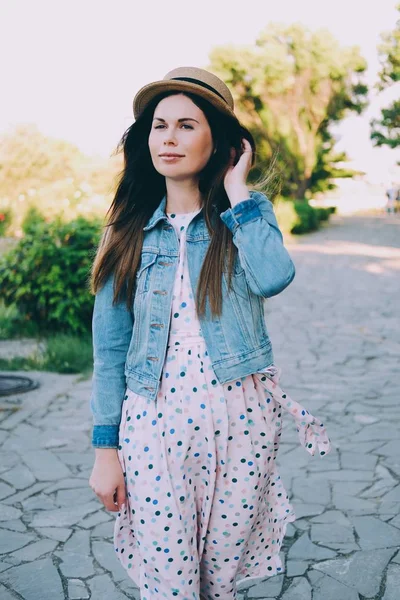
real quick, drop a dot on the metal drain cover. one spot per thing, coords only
(15, 384)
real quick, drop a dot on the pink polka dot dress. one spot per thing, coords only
(206, 507)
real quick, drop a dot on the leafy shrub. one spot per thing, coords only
(32, 219)
(5, 220)
(13, 325)
(46, 275)
(300, 217)
(308, 218)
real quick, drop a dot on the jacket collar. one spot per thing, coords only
(159, 214)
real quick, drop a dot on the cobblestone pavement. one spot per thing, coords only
(336, 337)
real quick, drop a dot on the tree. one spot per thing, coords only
(288, 89)
(52, 176)
(386, 130)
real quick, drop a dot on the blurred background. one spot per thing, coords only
(317, 83)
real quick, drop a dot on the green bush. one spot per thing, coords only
(13, 325)
(300, 217)
(32, 219)
(46, 275)
(5, 220)
(307, 218)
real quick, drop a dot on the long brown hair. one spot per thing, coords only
(139, 192)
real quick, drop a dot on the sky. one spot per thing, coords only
(72, 67)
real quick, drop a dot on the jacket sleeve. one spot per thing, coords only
(112, 332)
(256, 234)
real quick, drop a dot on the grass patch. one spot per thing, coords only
(63, 354)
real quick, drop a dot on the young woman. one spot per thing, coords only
(186, 403)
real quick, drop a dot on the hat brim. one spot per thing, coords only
(147, 93)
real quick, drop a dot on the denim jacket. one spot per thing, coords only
(129, 346)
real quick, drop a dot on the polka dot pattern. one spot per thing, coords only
(206, 507)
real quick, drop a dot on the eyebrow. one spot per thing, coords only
(179, 120)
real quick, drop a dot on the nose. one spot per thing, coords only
(170, 138)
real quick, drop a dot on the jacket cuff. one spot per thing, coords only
(241, 213)
(105, 436)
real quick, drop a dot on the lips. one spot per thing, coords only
(171, 155)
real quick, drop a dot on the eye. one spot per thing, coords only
(159, 126)
(187, 126)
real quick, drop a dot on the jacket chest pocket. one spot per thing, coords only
(143, 273)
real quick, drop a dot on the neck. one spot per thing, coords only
(183, 196)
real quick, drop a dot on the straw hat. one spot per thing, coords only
(187, 79)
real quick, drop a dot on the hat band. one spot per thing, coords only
(202, 84)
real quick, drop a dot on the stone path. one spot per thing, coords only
(336, 336)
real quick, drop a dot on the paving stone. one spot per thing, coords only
(14, 525)
(307, 510)
(391, 448)
(379, 489)
(392, 583)
(66, 484)
(38, 502)
(76, 557)
(353, 460)
(373, 533)
(14, 540)
(6, 490)
(20, 477)
(311, 490)
(128, 587)
(27, 493)
(296, 567)
(5, 594)
(68, 497)
(35, 550)
(61, 534)
(362, 571)
(327, 588)
(37, 580)
(333, 517)
(346, 475)
(378, 432)
(325, 534)
(77, 590)
(103, 588)
(64, 517)
(98, 517)
(299, 590)
(104, 553)
(354, 504)
(271, 587)
(9, 512)
(304, 549)
(8, 460)
(105, 530)
(75, 565)
(45, 465)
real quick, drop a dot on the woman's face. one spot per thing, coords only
(180, 139)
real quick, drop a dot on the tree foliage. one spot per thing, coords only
(52, 176)
(385, 131)
(288, 88)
